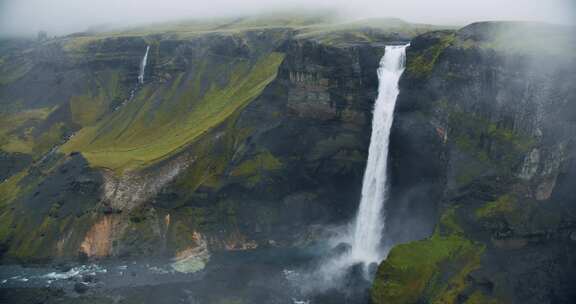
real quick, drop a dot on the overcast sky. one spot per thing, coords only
(66, 16)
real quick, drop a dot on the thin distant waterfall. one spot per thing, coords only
(143, 66)
(141, 75)
(370, 220)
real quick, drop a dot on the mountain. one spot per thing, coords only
(240, 132)
(481, 142)
(253, 133)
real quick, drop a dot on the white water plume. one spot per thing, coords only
(365, 234)
(371, 218)
(143, 66)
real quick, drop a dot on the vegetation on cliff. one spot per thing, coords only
(161, 120)
(420, 63)
(433, 270)
(219, 131)
(248, 128)
(489, 93)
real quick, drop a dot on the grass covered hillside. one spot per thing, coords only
(199, 73)
(260, 115)
(163, 118)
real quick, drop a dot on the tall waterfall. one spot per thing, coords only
(143, 66)
(370, 220)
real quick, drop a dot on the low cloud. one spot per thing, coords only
(26, 17)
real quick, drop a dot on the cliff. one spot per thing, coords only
(482, 139)
(253, 133)
(248, 133)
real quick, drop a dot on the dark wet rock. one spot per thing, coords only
(481, 157)
(31, 295)
(341, 249)
(12, 163)
(481, 153)
(109, 210)
(82, 257)
(81, 287)
(64, 267)
(355, 275)
(372, 269)
(89, 278)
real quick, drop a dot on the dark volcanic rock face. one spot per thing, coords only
(12, 163)
(258, 138)
(302, 160)
(238, 141)
(483, 130)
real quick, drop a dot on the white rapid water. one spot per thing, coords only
(143, 66)
(370, 220)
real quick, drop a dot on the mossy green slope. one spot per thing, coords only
(421, 63)
(200, 78)
(164, 118)
(88, 108)
(365, 31)
(16, 128)
(433, 270)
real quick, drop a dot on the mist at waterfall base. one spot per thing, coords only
(357, 248)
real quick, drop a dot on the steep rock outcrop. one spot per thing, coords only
(274, 168)
(492, 108)
(241, 139)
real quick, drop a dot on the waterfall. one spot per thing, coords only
(143, 66)
(371, 220)
(141, 73)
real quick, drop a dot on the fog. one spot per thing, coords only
(57, 17)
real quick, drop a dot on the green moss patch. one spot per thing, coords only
(16, 129)
(12, 70)
(87, 109)
(490, 145)
(163, 119)
(50, 138)
(432, 270)
(32, 240)
(449, 223)
(422, 63)
(29, 132)
(213, 156)
(9, 189)
(253, 169)
(504, 205)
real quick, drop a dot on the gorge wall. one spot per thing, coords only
(242, 140)
(257, 137)
(484, 129)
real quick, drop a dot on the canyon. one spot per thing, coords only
(192, 142)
